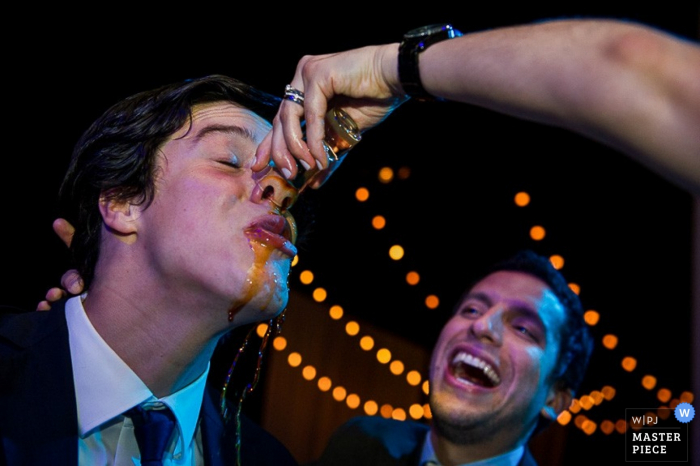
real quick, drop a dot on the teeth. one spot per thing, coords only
(473, 361)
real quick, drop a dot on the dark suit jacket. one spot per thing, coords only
(376, 441)
(38, 415)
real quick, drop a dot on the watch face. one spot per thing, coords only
(428, 30)
(437, 31)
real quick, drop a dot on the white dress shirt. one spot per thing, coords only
(105, 387)
(510, 458)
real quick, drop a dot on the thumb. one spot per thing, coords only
(64, 230)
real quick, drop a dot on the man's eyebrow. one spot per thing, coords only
(229, 129)
(528, 312)
(476, 296)
(521, 308)
(479, 296)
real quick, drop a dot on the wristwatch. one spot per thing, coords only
(413, 43)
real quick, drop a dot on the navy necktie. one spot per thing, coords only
(152, 428)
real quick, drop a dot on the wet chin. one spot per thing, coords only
(263, 307)
(265, 292)
(275, 305)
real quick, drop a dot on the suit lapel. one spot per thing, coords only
(212, 426)
(527, 459)
(42, 422)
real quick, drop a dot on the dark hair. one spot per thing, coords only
(116, 156)
(576, 340)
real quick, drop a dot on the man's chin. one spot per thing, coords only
(273, 310)
(462, 428)
(262, 307)
(272, 306)
(456, 416)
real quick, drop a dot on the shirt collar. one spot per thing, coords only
(106, 387)
(511, 458)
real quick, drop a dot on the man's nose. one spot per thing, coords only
(489, 327)
(272, 186)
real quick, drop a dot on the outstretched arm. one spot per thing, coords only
(627, 85)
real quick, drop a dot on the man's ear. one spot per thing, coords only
(557, 401)
(119, 216)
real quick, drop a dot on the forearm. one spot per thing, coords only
(628, 86)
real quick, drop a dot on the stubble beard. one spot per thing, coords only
(460, 428)
(464, 427)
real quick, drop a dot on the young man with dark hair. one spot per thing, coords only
(178, 242)
(507, 362)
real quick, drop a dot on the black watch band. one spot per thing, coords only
(413, 43)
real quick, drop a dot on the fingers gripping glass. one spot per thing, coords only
(342, 134)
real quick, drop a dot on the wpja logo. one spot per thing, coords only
(658, 434)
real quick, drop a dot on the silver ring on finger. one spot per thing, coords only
(293, 94)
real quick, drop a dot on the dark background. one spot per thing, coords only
(624, 232)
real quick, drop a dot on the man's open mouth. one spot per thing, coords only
(274, 230)
(469, 368)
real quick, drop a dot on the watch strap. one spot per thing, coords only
(409, 72)
(409, 53)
